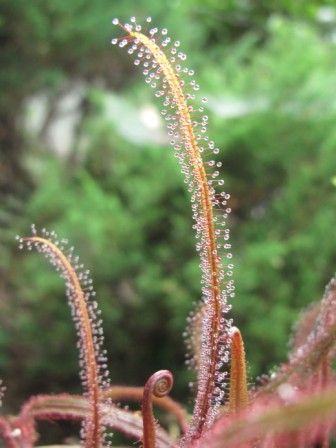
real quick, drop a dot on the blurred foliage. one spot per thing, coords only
(268, 69)
(281, 164)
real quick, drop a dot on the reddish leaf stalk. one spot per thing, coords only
(18, 432)
(158, 385)
(211, 358)
(75, 407)
(238, 396)
(93, 427)
(324, 377)
(127, 393)
(6, 434)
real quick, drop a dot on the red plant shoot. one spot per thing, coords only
(293, 407)
(238, 396)
(88, 328)
(191, 146)
(158, 385)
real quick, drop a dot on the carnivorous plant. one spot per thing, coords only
(293, 407)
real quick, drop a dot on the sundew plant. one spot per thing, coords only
(295, 406)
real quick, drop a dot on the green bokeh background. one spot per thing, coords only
(113, 188)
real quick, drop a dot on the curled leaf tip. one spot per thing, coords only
(158, 385)
(162, 383)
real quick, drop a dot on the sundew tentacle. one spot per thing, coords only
(187, 129)
(94, 374)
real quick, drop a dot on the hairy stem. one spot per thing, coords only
(205, 391)
(93, 432)
(75, 407)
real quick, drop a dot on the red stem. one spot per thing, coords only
(131, 393)
(6, 434)
(159, 385)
